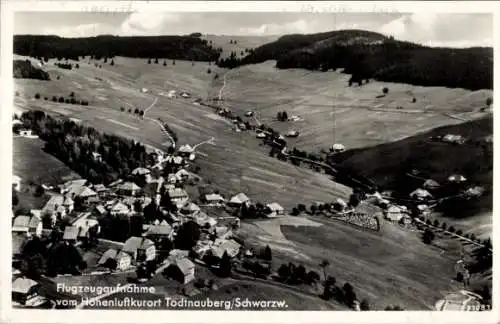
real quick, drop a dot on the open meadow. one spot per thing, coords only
(333, 112)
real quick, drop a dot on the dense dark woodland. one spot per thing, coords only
(390, 165)
(172, 47)
(368, 55)
(25, 70)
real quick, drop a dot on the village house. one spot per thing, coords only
(337, 148)
(421, 194)
(186, 150)
(140, 249)
(182, 270)
(97, 157)
(128, 189)
(275, 210)
(140, 171)
(190, 209)
(453, 139)
(457, 178)
(431, 184)
(182, 175)
(238, 200)
(204, 220)
(54, 208)
(394, 213)
(222, 232)
(159, 231)
(221, 246)
(123, 260)
(16, 182)
(214, 199)
(100, 189)
(26, 132)
(69, 204)
(84, 222)
(119, 208)
(70, 186)
(70, 234)
(30, 225)
(26, 292)
(18, 241)
(178, 196)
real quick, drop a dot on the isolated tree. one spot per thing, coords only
(173, 62)
(414, 100)
(444, 226)
(209, 71)
(428, 236)
(39, 191)
(300, 273)
(37, 95)
(459, 232)
(149, 61)
(72, 94)
(312, 277)
(284, 272)
(136, 111)
(130, 110)
(77, 66)
(451, 229)
(267, 255)
(435, 223)
(164, 63)
(61, 99)
(58, 77)
(122, 109)
(349, 294)
(295, 211)
(225, 266)
(329, 287)
(15, 198)
(156, 61)
(489, 101)
(45, 98)
(187, 235)
(324, 264)
(112, 62)
(385, 90)
(67, 101)
(105, 60)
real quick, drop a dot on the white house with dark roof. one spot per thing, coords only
(214, 199)
(275, 210)
(119, 208)
(178, 196)
(123, 260)
(26, 292)
(70, 234)
(421, 194)
(239, 200)
(221, 246)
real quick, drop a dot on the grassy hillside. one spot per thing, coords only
(173, 47)
(368, 55)
(389, 164)
(25, 70)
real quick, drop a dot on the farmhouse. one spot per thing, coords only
(457, 178)
(182, 175)
(123, 260)
(430, 184)
(72, 185)
(69, 204)
(190, 209)
(181, 270)
(84, 222)
(214, 199)
(140, 249)
(119, 208)
(25, 291)
(453, 139)
(275, 210)
(30, 225)
(337, 148)
(420, 194)
(394, 213)
(16, 182)
(239, 200)
(140, 171)
(128, 189)
(186, 149)
(292, 133)
(178, 196)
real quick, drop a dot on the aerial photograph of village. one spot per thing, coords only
(252, 161)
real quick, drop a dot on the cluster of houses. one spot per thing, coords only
(83, 204)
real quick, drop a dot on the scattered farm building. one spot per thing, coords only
(275, 210)
(159, 231)
(30, 225)
(190, 209)
(474, 191)
(430, 184)
(140, 248)
(421, 194)
(119, 208)
(181, 270)
(97, 157)
(239, 200)
(457, 178)
(18, 242)
(395, 213)
(214, 199)
(337, 148)
(186, 149)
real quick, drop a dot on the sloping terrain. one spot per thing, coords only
(25, 70)
(332, 112)
(370, 55)
(237, 44)
(390, 164)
